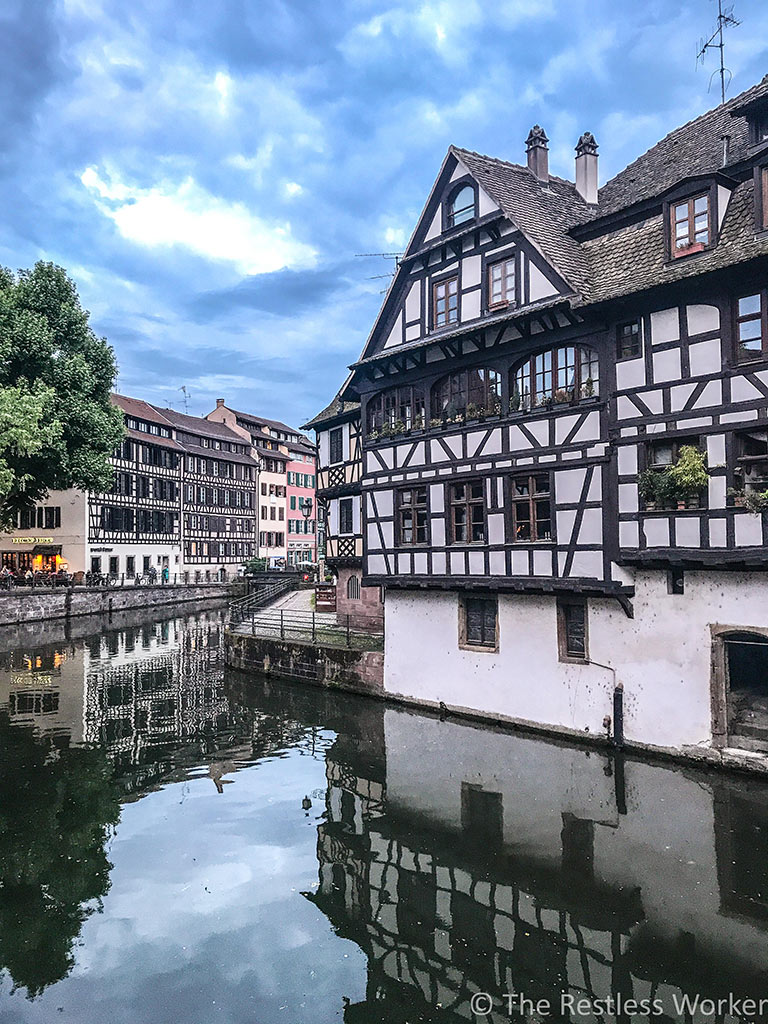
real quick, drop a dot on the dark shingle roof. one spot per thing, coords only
(200, 425)
(337, 407)
(543, 211)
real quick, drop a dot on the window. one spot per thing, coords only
(353, 588)
(478, 620)
(336, 445)
(750, 327)
(403, 405)
(556, 376)
(345, 516)
(629, 340)
(462, 207)
(412, 515)
(467, 512)
(531, 511)
(690, 225)
(501, 283)
(130, 566)
(445, 302)
(572, 629)
(453, 395)
(752, 460)
(293, 502)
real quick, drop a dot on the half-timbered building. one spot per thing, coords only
(563, 407)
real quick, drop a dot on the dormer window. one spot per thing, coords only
(461, 207)
(690, 223)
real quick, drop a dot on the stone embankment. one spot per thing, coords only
(27, 605)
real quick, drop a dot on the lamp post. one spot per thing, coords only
(306, 508)
(259, 467)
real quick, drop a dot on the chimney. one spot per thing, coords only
(586, 167)
(219, 402)
(538, 154)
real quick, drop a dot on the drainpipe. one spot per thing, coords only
(618, 705)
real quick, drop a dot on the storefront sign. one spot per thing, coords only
(31, 540)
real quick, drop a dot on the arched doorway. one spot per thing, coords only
(746, 671)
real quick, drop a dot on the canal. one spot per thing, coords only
(183, 844)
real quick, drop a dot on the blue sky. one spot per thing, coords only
(207, 170)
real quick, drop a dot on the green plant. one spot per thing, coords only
(756, 501)
(373, 436)
(562, 396)
(689, 474)
(418, 422)
(514, 400)
(398, 427)
(386, 430)
(737, 496)
(647, 485)
(494, 406)
(435, 422)
(472, 411)
(657, 488)
(588, 388)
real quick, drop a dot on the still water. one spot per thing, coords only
(180, 844)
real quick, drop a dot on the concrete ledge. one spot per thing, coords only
(333, 667)
(34, 605)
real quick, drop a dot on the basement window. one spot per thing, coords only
(479, 623)
(572, 629)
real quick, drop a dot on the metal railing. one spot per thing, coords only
(245, 607)
(321, 628)
(48, 581)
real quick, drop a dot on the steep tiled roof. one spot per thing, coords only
(140, 409)
(543, 211)
(200, 425)
(337, 407)
(694, 148)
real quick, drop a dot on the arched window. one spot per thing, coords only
(403, 405)
(462, 206)
(353, 588)
(470, 390)
(557, 376)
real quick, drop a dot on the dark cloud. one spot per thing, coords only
(283, 293)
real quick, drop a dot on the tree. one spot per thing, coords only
(58, 427)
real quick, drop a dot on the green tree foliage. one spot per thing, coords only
(58, 427)
(57, 809)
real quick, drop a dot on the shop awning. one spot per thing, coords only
(46, 549)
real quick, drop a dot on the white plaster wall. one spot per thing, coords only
(662, 656)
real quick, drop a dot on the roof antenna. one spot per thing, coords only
(186, 397)
(725, 19)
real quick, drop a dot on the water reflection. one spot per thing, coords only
(369, 864)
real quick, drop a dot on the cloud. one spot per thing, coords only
(186, 215)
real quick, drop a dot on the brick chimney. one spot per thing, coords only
(538, 153)
(219, 402)
(586, 167)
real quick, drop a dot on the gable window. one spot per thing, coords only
(473, 390)
(467, 513)
(412, 515)
(336, 445)
(462, 207)
(556, 376)
(445, 302)
(629, 343)
(572, 629)
(690, 225)
(531, 510)
(402, 407)
(751, 327)
(478, 623)
(501, 283)
(345, 516)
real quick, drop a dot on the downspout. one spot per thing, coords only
(618, 705)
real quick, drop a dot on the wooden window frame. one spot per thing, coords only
(450, 212)
(467, 503)
(489, 646)
(406, 403)
(564, 650)
(738, 320)
(534, 368)
(445, 282)
(333, 433)
(506, 301)
(620, 354)
(347, 503)
(533, 496)
(414, 508)
(692, 245)
(460, 384)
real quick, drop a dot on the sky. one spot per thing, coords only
(209, 171)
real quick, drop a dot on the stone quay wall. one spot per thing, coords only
(28, 605)
(333, 667)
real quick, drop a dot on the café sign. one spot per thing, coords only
(31, 540)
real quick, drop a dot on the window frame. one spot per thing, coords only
(762, 317)
(449, 211)
(414, 508)
(564, 604)
(347, 503)
(467, 503)
(620, 327)
(333, 434)
(492, 393)
(439, 283)
(388, 406)
(535, 367)
(506, 302)
(533, 496)
(693, 246)
(490, 646)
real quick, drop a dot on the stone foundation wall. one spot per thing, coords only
(339, 668)
(365, 612)
(34, 605)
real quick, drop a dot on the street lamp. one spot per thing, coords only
(306, 511)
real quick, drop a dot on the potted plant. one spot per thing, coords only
(472, 411)
(373, 435)
(588, 388)
(514, 400)
(435, 422)
(647, 485)
(494, 406)
(398, 427)
(418, 422)
(756, 501)
(736, 497)
(386, 430)
(689, 475)
(562, 396)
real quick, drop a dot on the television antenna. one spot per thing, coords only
(396, 256)
(725, 19)
(183, 388)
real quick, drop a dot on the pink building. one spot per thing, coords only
(301, 484)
